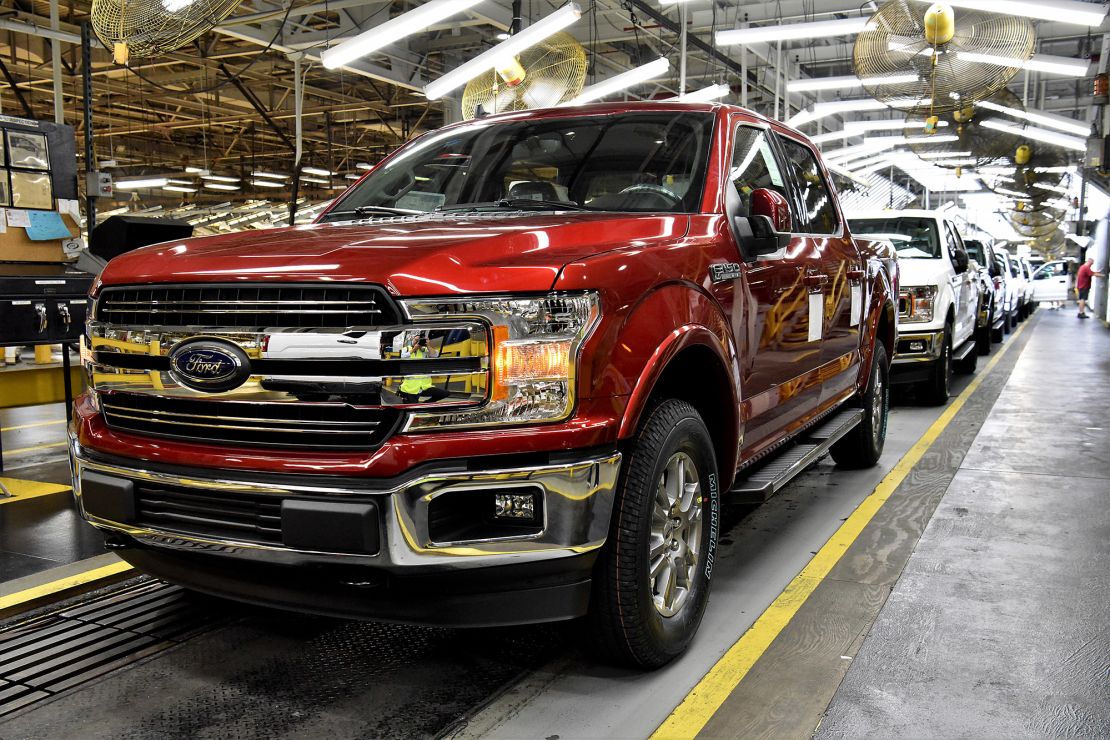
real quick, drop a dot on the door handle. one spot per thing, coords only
(40, 309)
(856, 273)
(63, 311)
(816, 281)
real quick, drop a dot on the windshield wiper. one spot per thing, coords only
(522, 204)
(368, 210)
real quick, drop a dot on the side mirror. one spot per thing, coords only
(961, 261)
(768, 228)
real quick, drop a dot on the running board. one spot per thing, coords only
(965, 349)
(770, 477)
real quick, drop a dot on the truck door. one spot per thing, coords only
(1050, 282)
(962, 289)
(772, 320)
(838, 267)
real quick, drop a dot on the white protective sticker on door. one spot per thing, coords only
(816, 312)
(857, 304)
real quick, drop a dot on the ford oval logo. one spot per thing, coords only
(209, 365)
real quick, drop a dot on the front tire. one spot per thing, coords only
(939, 385)
(862, 447)
(983, 335)
(651, 580)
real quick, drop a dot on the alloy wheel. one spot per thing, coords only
(676, 528)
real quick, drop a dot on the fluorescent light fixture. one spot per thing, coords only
(930, 139)
(834, 107)
(363, 166)
(893, 140)
(268, 183)
(172, 181)
(197, 171)
(1070, 125)
(309, 178)
(150, 182)
(954, 162)
(1061, 11)
(172, 6)
(271, 175)
(317, 171)
(220, 186)
(219, 178)
(942, 155)
(624, 80)
(1068, 66)
(393, 30)
(352, 176)
(856, 127)
(510, 47)
(1053, 188)
(848, 82)
(703, 95)
(1039, 134)
(843, 133)
(179, 189)
(790, 31)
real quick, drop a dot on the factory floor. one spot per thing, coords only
(961, 588)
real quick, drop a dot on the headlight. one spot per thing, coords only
(533, 360)
(915, 305)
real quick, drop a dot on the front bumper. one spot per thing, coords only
(918, 346)
(386, 562)
(915, 354)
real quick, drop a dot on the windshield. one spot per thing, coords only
(642, 161)
(975, 250)
(913, 238)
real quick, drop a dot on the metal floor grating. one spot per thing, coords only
(49, 654)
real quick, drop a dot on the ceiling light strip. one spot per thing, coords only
(515, 44)
(393, 30)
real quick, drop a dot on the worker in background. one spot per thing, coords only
(415, 386)
(1083, 284)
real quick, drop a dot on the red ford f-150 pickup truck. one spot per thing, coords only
(506, 378)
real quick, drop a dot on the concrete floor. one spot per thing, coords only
(539, 682)
(1000, 623)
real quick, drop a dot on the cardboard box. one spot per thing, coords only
(16, 247)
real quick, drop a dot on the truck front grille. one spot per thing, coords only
(247, 306)
(238, 423)
(235, 516)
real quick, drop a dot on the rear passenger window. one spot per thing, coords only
(754, 166)
(820, 211)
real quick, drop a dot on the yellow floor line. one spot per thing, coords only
(62, 584)
(714, 688)
(17, 450)
(32, 424)
(22, 490)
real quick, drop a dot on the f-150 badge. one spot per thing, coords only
(722, 271)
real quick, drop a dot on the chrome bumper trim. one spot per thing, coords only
(931, 352)
(578, 498)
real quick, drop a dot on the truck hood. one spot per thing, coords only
(425, 255)
(915, 272)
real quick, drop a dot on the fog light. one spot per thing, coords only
(514, 505)
(917, 346)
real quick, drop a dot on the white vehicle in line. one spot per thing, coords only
(1027, 273)
(939, 300)
(1017, 285)
(1052, 280)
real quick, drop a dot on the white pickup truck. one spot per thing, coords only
(939, 298)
